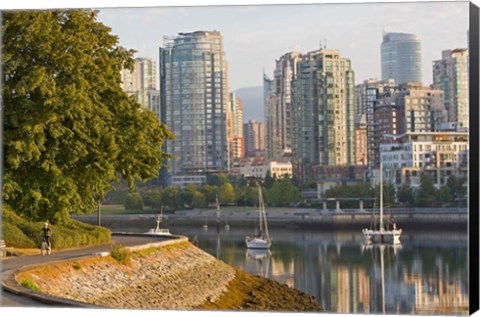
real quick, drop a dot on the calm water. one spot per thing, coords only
(427, 274)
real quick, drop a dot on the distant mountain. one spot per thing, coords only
(252, 101)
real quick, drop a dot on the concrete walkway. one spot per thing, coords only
(14, 295)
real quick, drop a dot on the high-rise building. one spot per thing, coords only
(323, 111)
(278, 107)
(237, 146)
(423, 107)
(361, 140)
(194, 104)
(154, 102)
(401, 56)
(254, 135)
(450, 74)
(366, 95)
(410, 108)
(141, 80)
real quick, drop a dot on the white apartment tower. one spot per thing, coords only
(237, 147)
(194, 104)
(278, 107)
(141, 80)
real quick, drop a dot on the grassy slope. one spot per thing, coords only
(22, 233)
(256, 293)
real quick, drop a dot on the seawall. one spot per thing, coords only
(296, 218)
(173, 276)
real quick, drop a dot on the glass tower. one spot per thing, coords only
(401, 56)
(194, 100)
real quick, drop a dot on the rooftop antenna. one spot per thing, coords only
(325, 43)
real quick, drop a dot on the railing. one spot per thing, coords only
(399, 210)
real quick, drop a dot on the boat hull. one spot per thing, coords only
(257, 243)
(382, 235)
(159, 232)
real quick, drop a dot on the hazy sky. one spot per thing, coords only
(254, 36)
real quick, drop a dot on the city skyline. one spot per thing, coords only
(269, 31)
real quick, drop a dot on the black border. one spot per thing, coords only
(474, 35)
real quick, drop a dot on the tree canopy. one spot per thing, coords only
(69, 129)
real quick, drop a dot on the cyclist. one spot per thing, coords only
(47, 233)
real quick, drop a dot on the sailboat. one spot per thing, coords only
(158, 230)
(262, 240)
(381, 234)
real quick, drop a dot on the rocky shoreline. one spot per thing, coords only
(177, 276)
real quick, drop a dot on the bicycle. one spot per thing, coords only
(45, 246)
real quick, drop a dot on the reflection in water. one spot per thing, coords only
(427, 274)
(261, 259)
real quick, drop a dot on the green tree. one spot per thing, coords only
(210, 192)
(252, 195)
(153, 198)
(283, 192)
(406, 195)
(269, 180)
(358, 190)
(186, 196)
(226, 194)
(456, 187)
(426, 194)
(133, 201)
(444, 196)
(222, 179)
(171, 198)
(69, 129)
(388, 195)
(198, 200)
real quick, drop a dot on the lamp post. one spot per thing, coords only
(98, 213)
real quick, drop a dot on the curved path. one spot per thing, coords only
(12, 264)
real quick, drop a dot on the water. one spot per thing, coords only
(427, 274)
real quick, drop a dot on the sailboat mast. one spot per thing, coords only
(260, 202)
(263, 215)
(381, 196)
(218, 206)
(382, 268)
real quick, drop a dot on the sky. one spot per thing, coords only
(256, 35)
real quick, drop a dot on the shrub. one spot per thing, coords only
(19, 232)
(133, 201)
(120, 253)
(30, 284)
(32, 230)
(76, 266)
(15, 237)
(8, 215)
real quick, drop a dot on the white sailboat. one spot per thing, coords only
(158, 230)
(262, 240)
(381, 234)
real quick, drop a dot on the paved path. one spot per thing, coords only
(11, 265)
